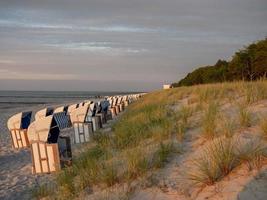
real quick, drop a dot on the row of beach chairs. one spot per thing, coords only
(50, 147)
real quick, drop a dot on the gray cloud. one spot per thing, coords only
(120, 42)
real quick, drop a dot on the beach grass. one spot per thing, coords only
(222, 155)
(263, 127)
(245, 116)
(153, 129)
(209, 123)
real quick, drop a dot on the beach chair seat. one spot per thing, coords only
(95, 121)
(83, 132)
(125, 103)
(18, 125)
(112, 112)
(64, 147)
(103, 118)
(45, 157)
(109, 115)
(117, 109)
(121, 107)
(19, 138)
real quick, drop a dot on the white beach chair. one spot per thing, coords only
(82, 130)
(18, 125)
(47, 155)
(92, 117)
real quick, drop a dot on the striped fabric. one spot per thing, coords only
(63, 120)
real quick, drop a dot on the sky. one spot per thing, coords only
(119, 45)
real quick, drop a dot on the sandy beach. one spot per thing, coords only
(16, 179)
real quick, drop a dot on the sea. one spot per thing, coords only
(13, 102)
(11, 99)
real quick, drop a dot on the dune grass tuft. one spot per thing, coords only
(136, 163)
(227, 126)
(210, 120)
(161, 155)
(43, 191)
(109, 174)
(180, 130)
(222, 155)
(185, 112)
(252, 153)
(245, 116)
(263, 126)
(215, 162)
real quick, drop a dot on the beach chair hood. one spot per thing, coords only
(79, 114)
(19, 121)
(72, 107)
(45, 130)
(44, 113)
(61, 109)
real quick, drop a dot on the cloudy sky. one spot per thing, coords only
(119, 44)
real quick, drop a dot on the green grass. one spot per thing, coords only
(161, 155)
(42, 191)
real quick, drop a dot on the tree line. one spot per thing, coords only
(248, 64)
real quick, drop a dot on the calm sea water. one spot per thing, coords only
(9, 99)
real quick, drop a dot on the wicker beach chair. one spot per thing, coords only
(50, 151)
(92, 116)
(18, 126)
(82, 130)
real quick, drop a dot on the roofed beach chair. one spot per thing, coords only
(44, 113)
(125, 101)
(116, 105)
(92, 117)
(112, 110)
(102, 110)
(50, 151)
(120, 104)
(18, 125)
(82, 130)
